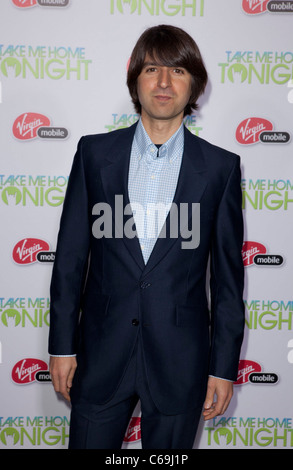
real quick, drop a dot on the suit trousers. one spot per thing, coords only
(104, 426)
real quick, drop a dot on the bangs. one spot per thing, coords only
(167, 54)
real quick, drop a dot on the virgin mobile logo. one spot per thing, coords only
(254, 253)
(255, 7)
(26, 125)
(26, 250)
(29, 126)
(251, 372)
(25, 370)
(246, 368)
(24, 3)
(133, 432)
(41, 3)
(250, 250)
(255, 129)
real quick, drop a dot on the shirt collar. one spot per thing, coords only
(147, 150)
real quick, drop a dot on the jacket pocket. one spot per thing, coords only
(192, 316)
(96, 305)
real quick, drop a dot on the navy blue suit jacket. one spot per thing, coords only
(107, 280)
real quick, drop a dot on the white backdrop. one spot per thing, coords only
(62, 75)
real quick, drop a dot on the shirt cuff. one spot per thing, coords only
(63, 355)
(221, 378)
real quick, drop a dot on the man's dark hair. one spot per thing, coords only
(171, 47)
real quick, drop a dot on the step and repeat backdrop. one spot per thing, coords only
(62, 75)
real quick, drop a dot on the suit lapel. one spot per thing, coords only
(115, 184)
(190, 188)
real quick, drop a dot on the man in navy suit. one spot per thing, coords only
(129, 307)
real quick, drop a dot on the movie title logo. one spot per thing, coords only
(37, 432)
(29, 126)
(256, 7)
(24, 372)
(255, 67)
(133, 432)
(267, 194)
(249, 432)
(32, 250)
(43, 62)
(29, 190)
(255, 129)
(41, 3)
(158, 7)
(32, 312)
(120, 121)
(255, 253)
(269, 314)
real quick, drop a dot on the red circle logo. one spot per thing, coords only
(133, 432)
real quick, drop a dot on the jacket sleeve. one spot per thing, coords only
(227, 280)
(71, 261)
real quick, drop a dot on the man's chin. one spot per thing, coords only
(165, 115)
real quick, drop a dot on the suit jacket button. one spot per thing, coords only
(135, 322)
(145, 285)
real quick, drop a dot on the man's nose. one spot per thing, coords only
(164, 79)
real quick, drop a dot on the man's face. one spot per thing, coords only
(163, 92)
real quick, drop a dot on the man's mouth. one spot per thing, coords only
(163, 98)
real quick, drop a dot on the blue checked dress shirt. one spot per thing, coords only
(152, 182)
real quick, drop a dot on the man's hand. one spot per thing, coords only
(62, 370)
(223, 389)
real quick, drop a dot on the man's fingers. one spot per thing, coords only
(223, 390)
(62, 370)
(209, 400)
(63, 388)
(70, 378)
(216, 409)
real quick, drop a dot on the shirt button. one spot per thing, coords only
(135, 322)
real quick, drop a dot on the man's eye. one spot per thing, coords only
(179, 71)
(151, 69)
